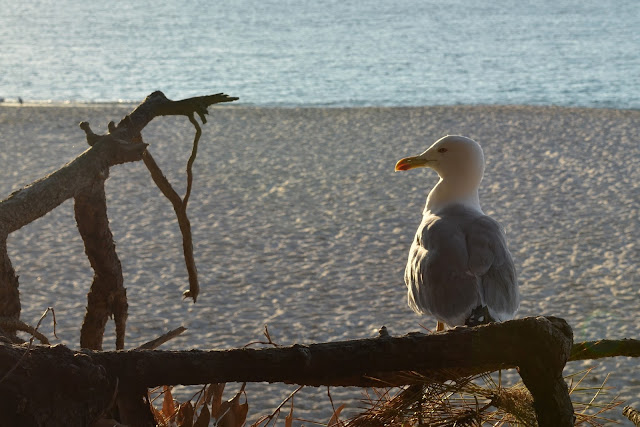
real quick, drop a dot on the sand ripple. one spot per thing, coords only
(301, 223)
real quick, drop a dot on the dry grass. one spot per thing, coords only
(477, 401)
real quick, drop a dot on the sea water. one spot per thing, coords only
(324, 53)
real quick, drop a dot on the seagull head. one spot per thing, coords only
(451, 157)
(459, 162)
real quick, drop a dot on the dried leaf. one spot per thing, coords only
(185, 415)
(203, 397)
(158, 416)
(233, 414)
(168, 407)
(335, 418)
(214, 396)
(203, 418)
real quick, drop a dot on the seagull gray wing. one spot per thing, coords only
(459, 261)
(490, 261)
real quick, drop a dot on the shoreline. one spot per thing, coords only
(239, 105)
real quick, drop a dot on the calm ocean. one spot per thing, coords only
(325, 52)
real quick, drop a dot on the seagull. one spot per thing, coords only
(459, 268)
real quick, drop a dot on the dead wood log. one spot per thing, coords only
(539, 347)
(51, 386)
(107, 295)
(35, 200)
(363, 362)
(83, 179)
(605, 348)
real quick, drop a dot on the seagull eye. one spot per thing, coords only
(442, 150)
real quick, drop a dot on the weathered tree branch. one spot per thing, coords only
(53, 386)
(180, 209)
(538, 346)
(130, 128)
(107, 296)
(9, 295)
(82, 179)
(157, 342)
(12, 324)
(632, 414)
(157, 104)
(605, 348)
(37, 199)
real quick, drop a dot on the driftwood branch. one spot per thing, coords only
(632, 414)
(12, 324)
(34, 201)
(155, 343)
(605, 348)
(9, 295)
(52, 386)
(107, 296)
(364, 362)
(180, 209)
(37, 199)
(130, 128)
(157, 104)
(83, 179)
(539, 347)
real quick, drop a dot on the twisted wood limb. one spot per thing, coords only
(130, 128)
(9, 294)
(12, 324)
(35, 200)
(157, 104)
(107, 296)
(119, 146)
(180, 209)
(42, 196)
(107, 292)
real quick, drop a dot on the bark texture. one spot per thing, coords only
(83, 179)
(539, 347)
(107, 296)
(9, 294)
(51, 386)
(605, 348)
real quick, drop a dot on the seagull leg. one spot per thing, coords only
(479, 316)
(439, 326)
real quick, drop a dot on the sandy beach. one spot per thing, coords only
(301, 223)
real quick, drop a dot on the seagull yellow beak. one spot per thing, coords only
(412, 163)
